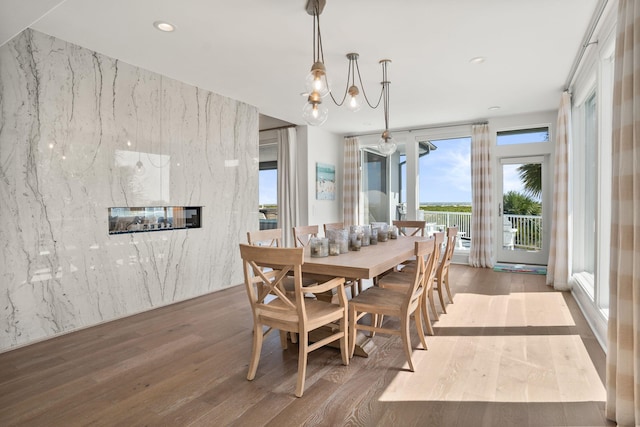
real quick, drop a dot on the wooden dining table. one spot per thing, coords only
(367, 263)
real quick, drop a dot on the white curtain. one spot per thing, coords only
(351, 182)
(558, 264)
(481, 198)
(623, 342)
(287, 184)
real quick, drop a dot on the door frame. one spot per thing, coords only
(364, 151)
(514, 256)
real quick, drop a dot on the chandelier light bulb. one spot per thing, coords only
(317, 80)
(314, 113)
(353, 101)
(386, 145)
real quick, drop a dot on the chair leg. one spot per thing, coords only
(446, 284)
(432, 302)
(283, 339)
(406, 339)
(424, 307)
(440, 295)
(352, 330)
(418, 319)
(344, 341)
(294, 337)
(303, 352)
(376, 321)
(255, 353)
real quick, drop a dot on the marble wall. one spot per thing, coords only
(73, 126)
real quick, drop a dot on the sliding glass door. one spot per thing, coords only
(375, 187)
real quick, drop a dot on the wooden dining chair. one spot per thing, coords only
(333, 226)
(383, 302)
(274, 309)
(400, 282)
(442, 273)
(411, 228)
(271, 237)
(302, 235)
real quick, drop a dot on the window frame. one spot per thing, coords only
(594, 76)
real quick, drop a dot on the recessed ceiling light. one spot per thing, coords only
(164, 26)
(478, 60)
(494, 108)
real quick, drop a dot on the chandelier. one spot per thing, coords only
(318, 85)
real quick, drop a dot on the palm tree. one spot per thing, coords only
(520, 204)
(531, 176)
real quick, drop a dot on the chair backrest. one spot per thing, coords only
(410, 228)
(424, 256)
(434, 260)
(265, 269)
(333, 226)
(272, 237)
(302, 234)
(452, 234)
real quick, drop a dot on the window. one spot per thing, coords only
(444, 170)
(585, 185)
(268, 186)
(590, 181)
(523, 136)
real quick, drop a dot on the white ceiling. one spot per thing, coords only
(259, 51)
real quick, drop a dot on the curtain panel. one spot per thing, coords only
(481, 199)
(558, 264)
(623, 342)
(288, 215)
(351, 182)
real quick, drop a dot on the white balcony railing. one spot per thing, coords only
(529, 231)
(528, 228)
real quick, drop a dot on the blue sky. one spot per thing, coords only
(445, 173)
(268, 187)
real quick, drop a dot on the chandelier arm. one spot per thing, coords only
(313, 39)
(346, 89)
(385, 88)
(317, 41)
(386, 105)
(364, 92)
(321, 58)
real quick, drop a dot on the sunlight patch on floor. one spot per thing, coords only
(542, 368)
(511, 310)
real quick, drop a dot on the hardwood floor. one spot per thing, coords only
(510, 352)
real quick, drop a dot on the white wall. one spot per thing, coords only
(73, 124)
(318, 145)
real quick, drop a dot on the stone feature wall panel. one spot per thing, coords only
(73, 126)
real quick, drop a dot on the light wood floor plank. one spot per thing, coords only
(509, 352)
